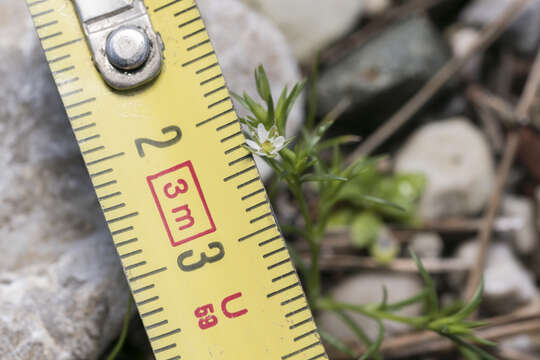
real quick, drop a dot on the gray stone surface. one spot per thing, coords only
(524, 33)
(456, 159)
(397, 61)
(310, 25)
(507, 284)
(367, 288)
(62, 292)
(427, 245)
(525, 236)
(244, 40)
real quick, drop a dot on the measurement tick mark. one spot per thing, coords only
(273, 252)
(165, 348)
(222, 127)
(311, 332)
(215, 117)
(123, 230)
(108, 183)
(129, 254)
(126, 242)
(293, 299)
(104, 159)
(166, 5)
(300, 350)
(158, 324)
(42, 13)
(206, 67)
(133, 266)
(280, 277)
(256, 206)
(185, 10)
(120, 218)
(60, 58)
(152, 299)
(50, 36)
(225, 139)
(62, 45)
(86, 101)
(152, 312)
(243, 238)
(284, 261)
(69, 81)
(193, 33)
(99, 173)
(223, 87)
(192, 61)
(266, 242)
(105, 197)
(240, 159)
(254, 220)
(215, 77)
(150, 273)
(252, 194)
(140, 290)
(50, 23)
(288, 287)
(172, 332)
(241, 172)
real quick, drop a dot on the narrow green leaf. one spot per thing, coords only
(374, 348)
(338, 344)
(321, 177)
(431, 298)
(313, 96)
(472, 305)
(373, 200)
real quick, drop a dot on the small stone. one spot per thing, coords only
(376, 7)
(455, 158)
(63, 294)
(427, 245)
(310, 25)
(388, 68)
(524, 33)
(237, 31)
(367, 288)
(525, 238)
(462, 40)
(507, 284)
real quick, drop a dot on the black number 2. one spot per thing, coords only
(204, 258)
(160, 144)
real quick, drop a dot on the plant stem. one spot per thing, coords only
(114, 353)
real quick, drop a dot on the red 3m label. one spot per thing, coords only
(181, 203)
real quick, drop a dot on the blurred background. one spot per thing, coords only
(444, 91)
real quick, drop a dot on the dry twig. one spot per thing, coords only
(488, 36)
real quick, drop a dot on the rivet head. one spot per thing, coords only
(127, 48)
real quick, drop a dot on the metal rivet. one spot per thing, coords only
(127, 48)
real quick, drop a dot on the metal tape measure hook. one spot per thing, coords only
(125, 48)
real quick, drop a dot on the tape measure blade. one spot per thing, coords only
(188, 213)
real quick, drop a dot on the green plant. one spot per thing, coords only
(313, 162)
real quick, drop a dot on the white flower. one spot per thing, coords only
(266, 142)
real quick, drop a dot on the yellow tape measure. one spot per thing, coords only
(189, 216)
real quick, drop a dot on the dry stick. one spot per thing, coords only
(531, 87)
(415, 344)
(488, 36)
(361, 36)
(340, 262)
(485, 99)
(512, 144)
(484, 237)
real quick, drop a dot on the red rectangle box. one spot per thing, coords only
(181, 203)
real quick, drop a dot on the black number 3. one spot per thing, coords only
(160, 144)
(204, 258)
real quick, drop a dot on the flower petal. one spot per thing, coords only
(262, 134)
(253, 145)
(278, 142)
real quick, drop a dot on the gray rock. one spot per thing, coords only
(524, 33)
(62, 292)
(367, 288)
(397, 61)
(427, 245)
(525, 237)
(455, 158)
(507, 284)
(244, 40)
(310, 25)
